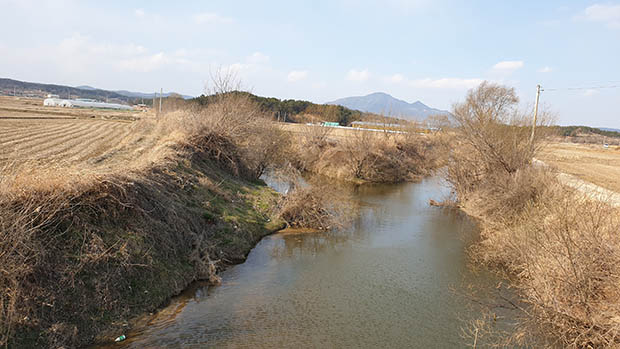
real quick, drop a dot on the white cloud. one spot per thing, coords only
(258, 58)
(319, 85)
(508, 66)
(139, 12)
(590, 92)
(297, 75)
(358, 75)
(75, 56)
(238, 68)
(608, 14)
(545, 69)
(442, 83)
(446, 83)
(211, 18)
(396, 78)
(146, 63)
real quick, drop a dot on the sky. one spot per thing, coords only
(432, 51)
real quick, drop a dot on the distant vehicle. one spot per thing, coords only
(606, 145)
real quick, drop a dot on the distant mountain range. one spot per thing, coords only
(609, 129)
(131, 94)
(23, 88)
(383, 103)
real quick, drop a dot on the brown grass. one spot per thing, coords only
(319, 206)
(591, 163)
(561, 249)
(558, 246)
(364, 156)
(121, 220)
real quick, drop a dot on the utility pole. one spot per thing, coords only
(535, 115)
(161, 92)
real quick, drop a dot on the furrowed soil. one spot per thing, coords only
(104, 219)
(589, 162)
(25, 107)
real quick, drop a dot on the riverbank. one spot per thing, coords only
(560, 248)
(398, 275)
(91, 242)
(362, 156)
(557, 244)
(93, 253)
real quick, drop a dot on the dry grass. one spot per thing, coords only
(95, 218)
(591, 163)
(71, 141)
(559, 246)
(363, 156)
(319, 206)
(561, 249)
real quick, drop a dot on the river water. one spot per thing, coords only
(398, 278)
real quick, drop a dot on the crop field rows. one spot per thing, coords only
(589, 162)
(65, 141)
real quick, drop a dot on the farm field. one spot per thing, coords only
(589, 162)
(98, 145)
(20, 107)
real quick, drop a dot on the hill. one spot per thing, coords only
(570, 131)
(383, 103)
(131, 94)
(297, 111)
(32, 89)
(609, 129)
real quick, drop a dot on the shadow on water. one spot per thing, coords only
(399, 277)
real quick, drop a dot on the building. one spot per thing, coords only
(83, 103)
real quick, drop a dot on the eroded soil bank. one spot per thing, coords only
(100, 252)
(399, 277)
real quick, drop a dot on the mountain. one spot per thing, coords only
(383, 103)
(134, 95)
(609, 129)
(147, 95)
(85, 87)
(23, 88)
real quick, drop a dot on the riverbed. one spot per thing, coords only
(399, 277)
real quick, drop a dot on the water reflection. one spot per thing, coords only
(397, 278)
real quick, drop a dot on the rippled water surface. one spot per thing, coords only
(395, 280)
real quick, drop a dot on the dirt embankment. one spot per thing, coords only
(558, 244)
(104, 233)
(80, 260)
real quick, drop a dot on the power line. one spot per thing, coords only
(581, 88)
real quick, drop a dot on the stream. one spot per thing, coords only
(398, 278)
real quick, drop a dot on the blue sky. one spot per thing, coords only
(432, 51)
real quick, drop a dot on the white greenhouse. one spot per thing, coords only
(83, 103)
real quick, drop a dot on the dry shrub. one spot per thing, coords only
(84, 246)
(491, 136)
(318, 206)
(366, 156)
(561, 248)
(234, 132)
(21, 218)
(77, 250)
